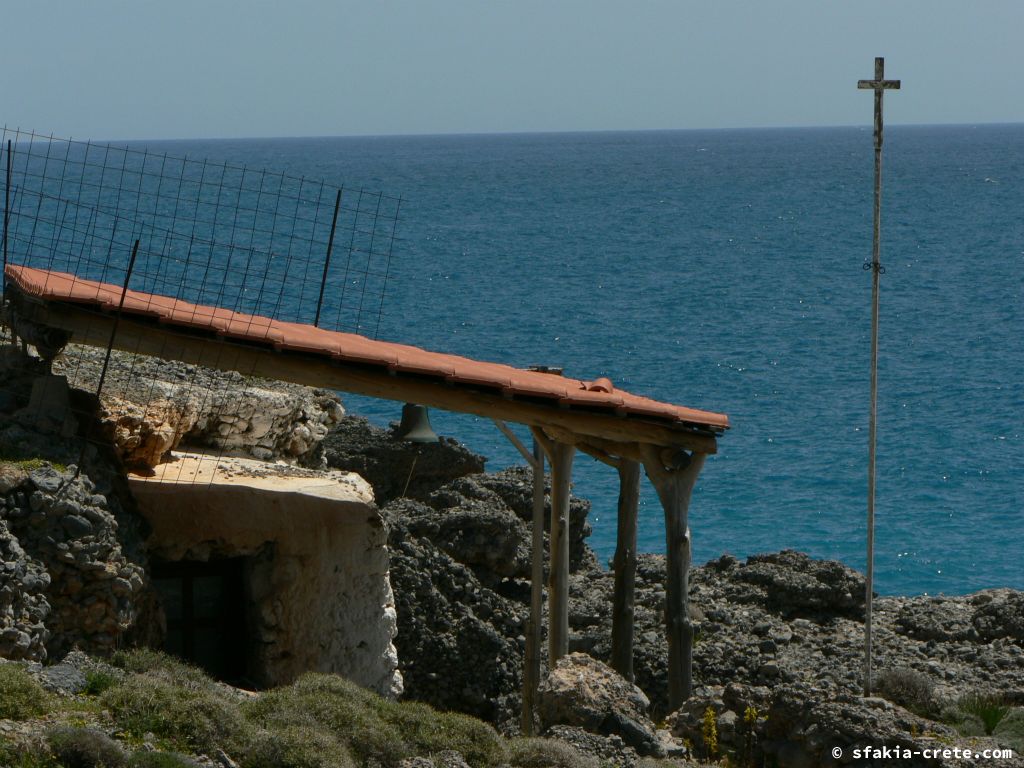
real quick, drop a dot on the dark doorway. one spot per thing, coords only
(205, 607)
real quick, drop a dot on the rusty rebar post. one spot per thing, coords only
(110, 344)
(327, 259)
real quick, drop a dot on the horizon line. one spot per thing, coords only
(567, 132)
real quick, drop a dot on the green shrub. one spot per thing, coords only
(84, 748)
(298, 745)
(429, 732)
(20, 756)
(546, 753)
(352, 713)
(21, 697)
(990, 708)
(1011, 730)
(147, 661)
(909, 688)
(709, 732)
(368, 726)
(160, 760)
(18, 458)
(317, 684)
(97, 681)
(198, 718)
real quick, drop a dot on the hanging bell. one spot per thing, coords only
(415, 426)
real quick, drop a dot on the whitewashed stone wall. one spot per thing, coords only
(319, 596)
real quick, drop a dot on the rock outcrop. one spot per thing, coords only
(794, 585)
(152, 406)
(475, 513)
(65, 579)
(581, 691)
(778, 645)
(774, 622)
(73, 570)
(389, 464)
(747, 634)
(460, 643)
(460, 566)
(815, 723)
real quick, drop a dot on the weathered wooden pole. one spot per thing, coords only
(879, 85)
(558, 579)
(531, 677)
(674, 481)
(560, 455)
(531, 662)
(625, 459)
(624, 565)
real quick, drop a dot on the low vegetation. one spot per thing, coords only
(372, 728)
(164, 712)
(989, 708)
(910, 689)
(17, 459)
(97, 681)
(84, 748)
(984, 713)
(21, 697)
(190, 718)
(547, 753)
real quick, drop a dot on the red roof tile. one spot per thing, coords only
(599, 394)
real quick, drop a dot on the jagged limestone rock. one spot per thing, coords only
(581, 691)
(152, 406)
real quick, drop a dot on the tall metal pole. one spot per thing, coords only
(879, 85)
(7, 205)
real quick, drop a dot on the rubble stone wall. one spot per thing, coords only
(65, 578)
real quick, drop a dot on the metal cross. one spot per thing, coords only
(879, 85)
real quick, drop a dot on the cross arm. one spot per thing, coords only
(879, 85)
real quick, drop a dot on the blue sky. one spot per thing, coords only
(224, 68)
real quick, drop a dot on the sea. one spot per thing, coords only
(724, 270)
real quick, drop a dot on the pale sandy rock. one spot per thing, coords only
(152, 406)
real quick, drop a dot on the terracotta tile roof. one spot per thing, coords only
(599, 394)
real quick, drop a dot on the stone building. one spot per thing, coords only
(265, 571)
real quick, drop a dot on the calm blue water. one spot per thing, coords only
(722, 270)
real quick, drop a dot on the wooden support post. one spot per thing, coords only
(624, 566)
(558, 578)
(531, 662)
(674, 486)
(531, 672)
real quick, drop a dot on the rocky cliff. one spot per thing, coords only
(777, 659)
(72, 564)
(152, 406)
(779, 637)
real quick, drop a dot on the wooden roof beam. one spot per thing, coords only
(93, 328)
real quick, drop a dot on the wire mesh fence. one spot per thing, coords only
(209, 233)
(255, 241)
